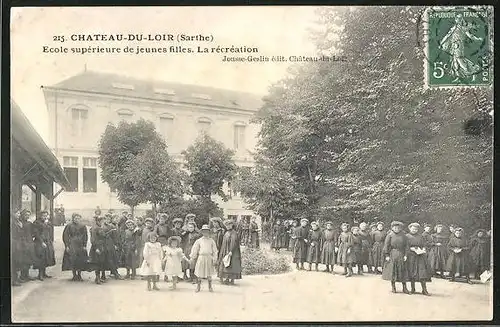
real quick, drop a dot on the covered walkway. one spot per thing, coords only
(32, 164)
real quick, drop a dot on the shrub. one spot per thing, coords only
(262, 261)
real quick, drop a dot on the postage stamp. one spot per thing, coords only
(458, 44)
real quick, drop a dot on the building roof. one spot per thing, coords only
(31, 155)
(113, 84)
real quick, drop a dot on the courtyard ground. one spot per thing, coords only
(294, 296)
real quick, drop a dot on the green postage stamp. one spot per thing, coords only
(459, 50)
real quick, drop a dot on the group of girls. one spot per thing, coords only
(423, 254)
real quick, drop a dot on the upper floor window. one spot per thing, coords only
(204, 125)
(79, 119)
(166, 127)
(239, 136)
(125, 115)
(70, 166)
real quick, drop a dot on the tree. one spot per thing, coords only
(118, 147)
(363, 138)
(209, 164)
(154, 176)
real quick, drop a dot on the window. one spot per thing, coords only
(78, 121)
(89, 175)
(239, 136)
(166, 126)
(70, 165)
(204, 125)
(125, 115)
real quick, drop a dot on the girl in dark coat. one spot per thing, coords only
(162, 229)
(300, 235)
(17, 250)
(286, 235)
(254, 234)
(427, 236)
(44, 246)
(418, 265)
(28, 246)
(329, 247)
(218, 231)
(98, 249)
(112, 248)
(278, 236)
(75, 239)
(357, 248)
(230, 246)
(364, 259)
(131, 245)
(438, 253)
(378, 239)
(395, 251)
(315, 239)
(345, 256)
(458, 260)
(479, 253)
(188, 239)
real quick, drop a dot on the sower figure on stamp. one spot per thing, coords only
(395, 251)
(44, 248)
(418, 264)
(300, 235)
(329, 247)
(229, 267)
(315, 238)
(75, 238)
(204, 256)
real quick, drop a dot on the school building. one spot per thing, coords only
(81, 106)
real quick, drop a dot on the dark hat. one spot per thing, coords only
(177, 220)
(414, 224)
(171, 238)
(396, 223)
(149, 219)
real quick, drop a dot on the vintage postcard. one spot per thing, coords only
(254, 163)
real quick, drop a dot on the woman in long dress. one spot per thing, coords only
(75, 238)
(300, 235)
(438, 253)
(458, 261)
(98, 249)
(44, 246)
(395, 251)
(315, 239)
(131, 248)
(479, 253)
(418, 264)
(378, 239)
(231, 247)
(345, 255)
(329, 247)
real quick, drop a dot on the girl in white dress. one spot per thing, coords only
(151, 266)
(173, 256)
(204, 253)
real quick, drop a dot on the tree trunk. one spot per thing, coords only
(132, 208)
(154, 210)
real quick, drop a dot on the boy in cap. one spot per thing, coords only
(204, 257)
(300, 235)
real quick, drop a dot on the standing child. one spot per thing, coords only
(395, 250)
(286, 234)
(426, 235)
(418, 265)
(172, 259)
(314, 248)
(479, 253)
(300, 235)
(151, 266)
(204, 253)
(357, 248)
(291, 240)
(457, 263)
(329, 247)
(345, 257)
(188, 239)
(378, 238)
(438, 253)
(366, 247)
(131, 248)
(278, 230)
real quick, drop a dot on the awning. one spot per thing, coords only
(31, 156)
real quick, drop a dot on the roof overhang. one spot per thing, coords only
(32, 152)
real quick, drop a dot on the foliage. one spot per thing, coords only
(260, 261)
(179, 208)
(155, 177)
(209, 164)
(363, 138)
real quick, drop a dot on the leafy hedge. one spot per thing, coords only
(262, 261)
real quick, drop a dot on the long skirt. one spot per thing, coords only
(44, 256)
(131, 259)
(437, 258)
(75, 258)
(204, 266)
(395, 269)
(300, 251)
(458, 263)
(151, 268)
(418, 268)
(479, 259)
(328, 253)
(313, 254)
(377, 255)
(173, 267)
(98, 261)
(364, 257)
(344, 257)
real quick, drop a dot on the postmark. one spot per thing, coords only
(458, 47)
